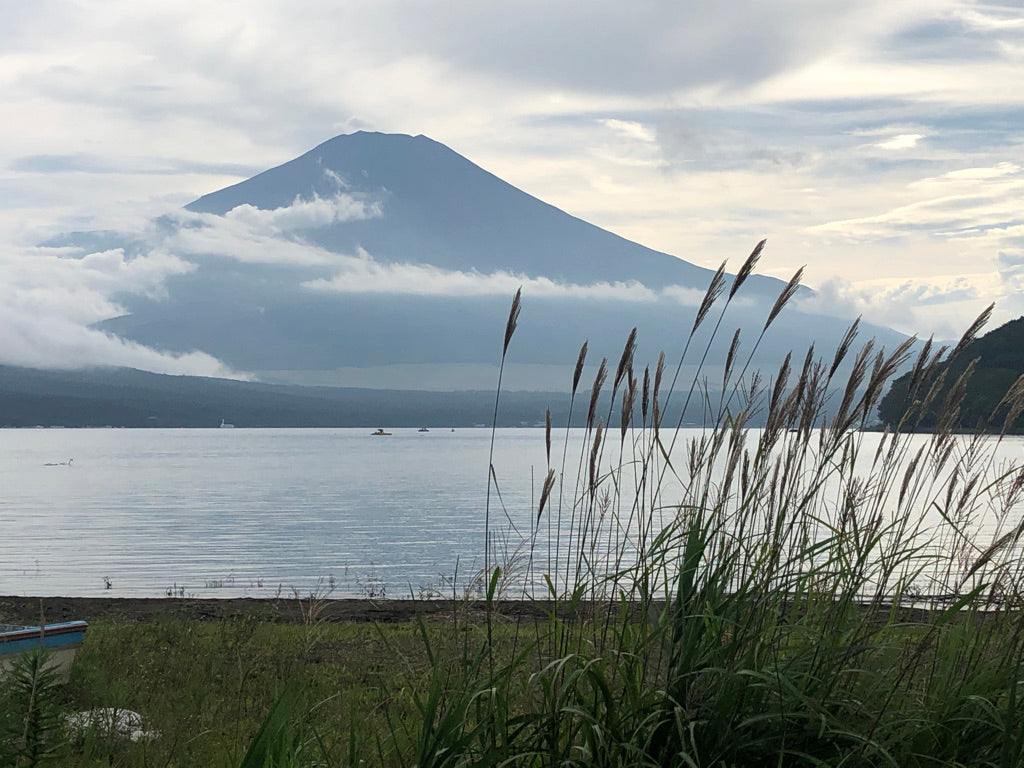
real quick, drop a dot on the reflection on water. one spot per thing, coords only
(258, 512)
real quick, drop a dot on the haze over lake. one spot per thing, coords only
(260, 512)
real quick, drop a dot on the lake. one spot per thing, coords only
(262, 512)
(228, 512)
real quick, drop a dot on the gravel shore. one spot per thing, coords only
(33, 610)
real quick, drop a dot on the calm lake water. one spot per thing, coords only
(257, 512)
(227, 512)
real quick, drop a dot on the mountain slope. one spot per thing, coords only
(443, 210)
(389, 261)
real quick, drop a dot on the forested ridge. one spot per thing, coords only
(996, 361)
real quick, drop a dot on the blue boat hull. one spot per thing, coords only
(60, 642)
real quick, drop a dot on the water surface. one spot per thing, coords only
(262, 512)
(248, 511)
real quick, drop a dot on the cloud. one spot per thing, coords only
(963, 202)
(51, 297)
(264, 236)
(362, 274)
(55, 342)
(598, 47)
(943, 305)
(48, 300)
(89, 163)
(45, 282)
(302, 214)
(630, 129)
(902, 141)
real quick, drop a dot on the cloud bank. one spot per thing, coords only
(48, 301)
(362, 274)
(52, 296)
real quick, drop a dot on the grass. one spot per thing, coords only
(206, 686)
(797, 594)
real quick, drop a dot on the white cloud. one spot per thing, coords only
(48, 300)
(902, 141)
(964, 202)
(943, 305)
(42, 283)
(302, 214)
(630, 129)
(362, 274)
(251, 235)
(51, 297)
(259, 236)
(58, 343)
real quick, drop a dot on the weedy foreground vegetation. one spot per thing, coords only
(779, 596)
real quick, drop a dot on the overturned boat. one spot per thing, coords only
(59, 642)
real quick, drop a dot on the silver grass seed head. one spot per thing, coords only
(971, 333)
(579, 367)
(547, 433)
(545, 493)
(513, 319)
(626, 361)
(748, 267)
(844, 347)
(731, 358)
(595, 454)
(787, 293)
(645, 397)
(595, 393)
(715, 288)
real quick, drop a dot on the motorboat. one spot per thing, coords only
(379, 433)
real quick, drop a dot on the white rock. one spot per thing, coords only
(108, 724)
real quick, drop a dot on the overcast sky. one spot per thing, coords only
(881, 143)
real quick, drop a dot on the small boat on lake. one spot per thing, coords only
(59, 641)
(226, 425)
(379, 433)
(422, 429)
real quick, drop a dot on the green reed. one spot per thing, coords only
(743, 596)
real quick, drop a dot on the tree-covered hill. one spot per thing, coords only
(996, 361)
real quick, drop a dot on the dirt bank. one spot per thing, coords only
(31, 610)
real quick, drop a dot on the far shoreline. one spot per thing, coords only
(36, 610)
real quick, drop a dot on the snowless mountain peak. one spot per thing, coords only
(386, 251)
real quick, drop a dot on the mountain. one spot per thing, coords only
(121, 397)
(441, 209)
(389, 261)
(997, 361)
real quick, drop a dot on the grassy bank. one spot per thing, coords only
(206, 686)
(740, 685)
(791, 595)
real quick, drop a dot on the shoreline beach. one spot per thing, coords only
(33, 610)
